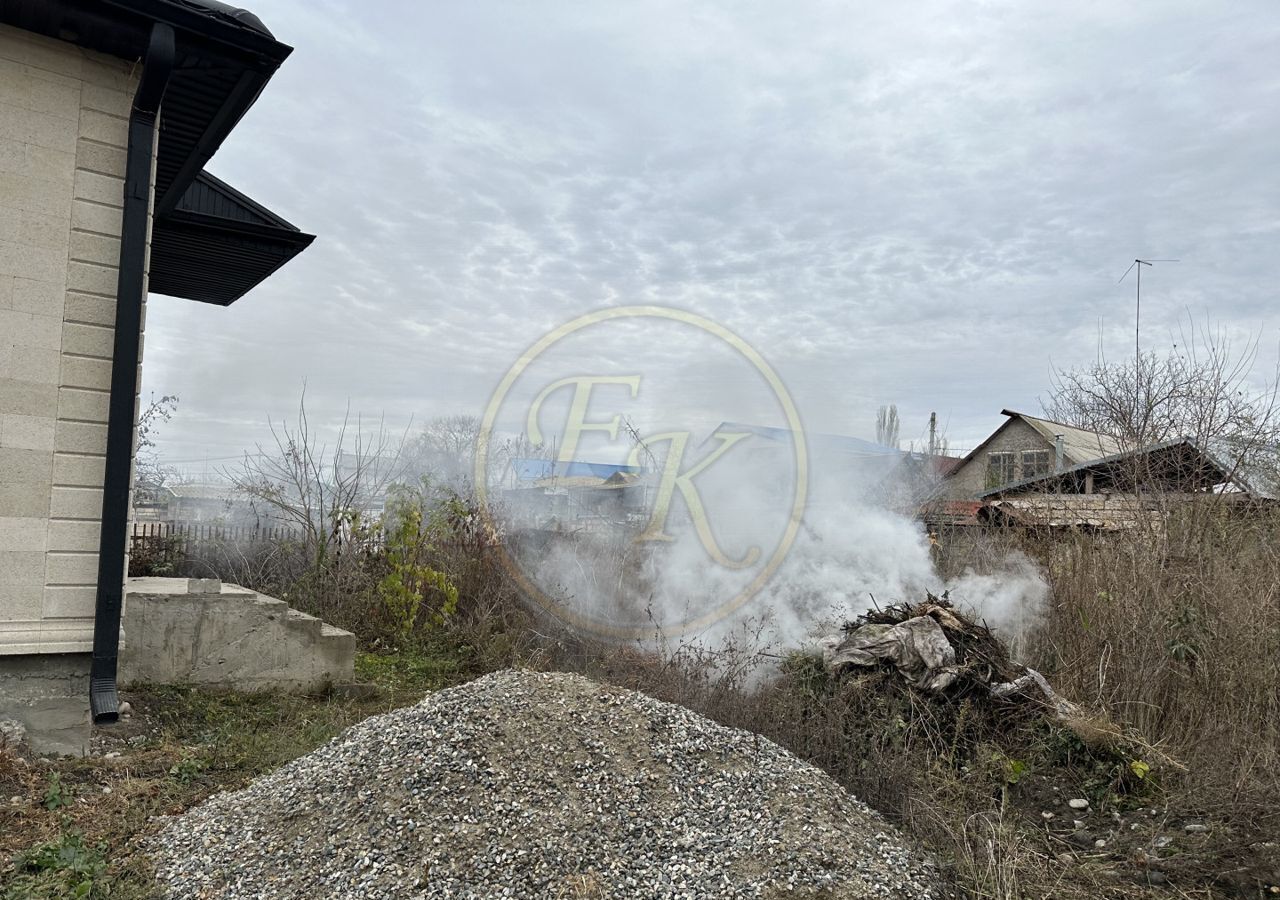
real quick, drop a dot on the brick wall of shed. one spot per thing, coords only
(971, 478)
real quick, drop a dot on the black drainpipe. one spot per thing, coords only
(124, 374)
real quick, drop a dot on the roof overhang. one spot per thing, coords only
(1178, 461)
(224, 56)
(218, 244)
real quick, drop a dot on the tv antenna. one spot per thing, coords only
(1137, 309)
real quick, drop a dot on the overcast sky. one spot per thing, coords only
(927, 203)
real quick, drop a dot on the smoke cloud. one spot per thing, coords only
(857, 545)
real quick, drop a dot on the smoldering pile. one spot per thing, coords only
(530, 785)
(939, 651)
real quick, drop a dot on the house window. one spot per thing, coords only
(1036, 463)
(1001, 467)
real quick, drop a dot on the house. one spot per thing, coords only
(574, 493)
(1129, 488)
(109, 111)
(1022, 448)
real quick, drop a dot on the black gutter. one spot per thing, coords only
(130, 292)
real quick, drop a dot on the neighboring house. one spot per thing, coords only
(1024, 447)
(572, 494)
(1123, 490)
(109, 110)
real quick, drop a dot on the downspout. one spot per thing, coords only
(130, 291)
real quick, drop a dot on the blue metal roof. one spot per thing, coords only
(537, 469)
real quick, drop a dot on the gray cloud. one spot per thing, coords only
(923, 205)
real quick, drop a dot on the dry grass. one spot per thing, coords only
(1173, 636)
(181, 746)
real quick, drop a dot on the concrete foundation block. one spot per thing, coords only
(200, 631)
(48, 697)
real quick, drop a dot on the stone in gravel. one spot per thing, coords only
(1078, 803)
(1195, 828)
(528, 785)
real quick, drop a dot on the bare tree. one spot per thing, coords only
(445, 450)
(151, 475)
(887, 426)
(322, 488)
(1201, 389)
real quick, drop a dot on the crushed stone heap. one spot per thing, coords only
(539, 785)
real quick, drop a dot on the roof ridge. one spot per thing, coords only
(1022, 415)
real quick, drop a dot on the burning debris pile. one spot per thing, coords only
(936, 649)
(930, 644)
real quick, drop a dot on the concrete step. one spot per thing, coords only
(202, 632)
(300, 621)
(340, 640)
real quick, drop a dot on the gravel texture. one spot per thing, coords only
(535, 785)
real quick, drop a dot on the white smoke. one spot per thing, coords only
(858, 546)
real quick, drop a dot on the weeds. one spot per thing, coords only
(66, 868)
(56, 794)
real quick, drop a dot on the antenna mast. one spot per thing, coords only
(1137, 307)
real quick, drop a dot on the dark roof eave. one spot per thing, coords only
(245, 34)
(291, 236)
(221, 124)
(1104, 461)
(213, 260)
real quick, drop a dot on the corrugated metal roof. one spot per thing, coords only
(203, 491)
(837, 443)
(1078, 444)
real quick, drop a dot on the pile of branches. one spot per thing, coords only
(940, 651)
(980, 657)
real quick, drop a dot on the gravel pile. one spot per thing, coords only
(530, 785)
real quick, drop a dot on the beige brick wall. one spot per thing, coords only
(971, 479)
(63, 135)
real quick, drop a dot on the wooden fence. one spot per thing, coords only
(159, 547)
(201, 532)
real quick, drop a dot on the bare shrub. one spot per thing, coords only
(321, 486)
